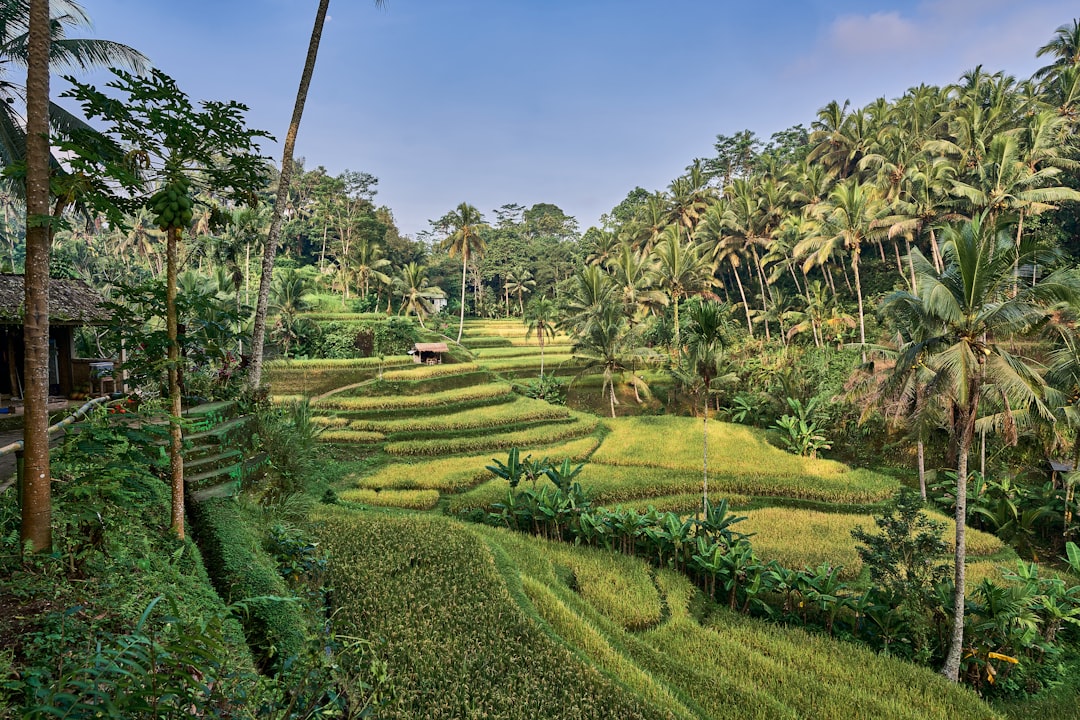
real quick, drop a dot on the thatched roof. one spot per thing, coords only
(431, 347)
(71, 302)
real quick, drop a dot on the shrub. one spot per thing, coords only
(274, 626)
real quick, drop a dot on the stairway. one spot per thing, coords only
(218, 455)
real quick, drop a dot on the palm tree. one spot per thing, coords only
(1065, 46)
(258, 333)
(65, 54)
(970, 309)
(541, 318)
(591, 289)
(704, 355)
(633, 274)
(520, 281)
(466, 224)
(369, 264)
(681, 269)
(605, 346)
(416, 292)
(847, 220)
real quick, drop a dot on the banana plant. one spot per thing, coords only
(513, 470)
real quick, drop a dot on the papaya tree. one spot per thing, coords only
(172, 150)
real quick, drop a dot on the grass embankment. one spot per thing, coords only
(576, 426)
(393, 404)
(455, 640)
(480, 622)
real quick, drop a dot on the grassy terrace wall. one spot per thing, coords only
(314, 377)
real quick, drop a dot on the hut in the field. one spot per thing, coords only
(72, 304)
(428, 353)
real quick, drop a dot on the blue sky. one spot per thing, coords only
(572, 102)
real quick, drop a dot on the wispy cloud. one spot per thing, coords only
(879, 33)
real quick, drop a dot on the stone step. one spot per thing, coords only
(212, 462)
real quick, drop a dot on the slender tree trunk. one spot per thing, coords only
(911, 268)
(899, 260)
(258, 335)
(858, 292)
(464, 269)
(36, 520)
(742, 294)
(939, 264)
(543, 329)
(611, 393)
(176, 459)
(705, 455)
(951, 668)
(921, 452)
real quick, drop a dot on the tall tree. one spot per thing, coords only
(465, 224)
(540, 319)
(972, 309)
(36, 522)
(704, 356)
(274, 235)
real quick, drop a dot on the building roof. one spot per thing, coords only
(71, 302)
(431, 347)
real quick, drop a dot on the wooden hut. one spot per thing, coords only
(428, 353)
(72, 303)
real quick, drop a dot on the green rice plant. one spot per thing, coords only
(807, 538)
(740, 459)
(480, 341)
(408, 499)
(330, 421)
(414, 402)
(523, 351)
(526, 362)
(351, 436)
(579, 425)
(427, 590)
(425, 372)
(490, 417)
(455, 474)
(322, 364)
(685, 503)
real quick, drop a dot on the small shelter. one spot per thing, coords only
(72, 304)
(428, 353)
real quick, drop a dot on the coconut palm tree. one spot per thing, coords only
(970, 309)
(704, 357)
(1064, 46)
(518, 282)
(368, 264)
(65, 54)
(606, 346)
(847, 221)
(681, 269)
(591, 289)
(465, 223)
(541, 317)
(416, 292)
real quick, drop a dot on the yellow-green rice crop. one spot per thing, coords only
(527, 361)
(798, 538)
(579, 424)
(425, 590)
(426, 372)
(351, 436)
(739, 458)
(490, 417)
(409, 499)
(330, 421)
(454, 474)
(322, 364)
(403, 402)
(523, 351)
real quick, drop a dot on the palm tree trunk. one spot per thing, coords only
(176, 460)
(36, 483)
(951, 668)
(858, 292)
(543, 329)
(611, 394)
(742, 294)
(921, 452)
(911, 267)
(258, 335)
(705, 455)
(939, 265)
(464, 269)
